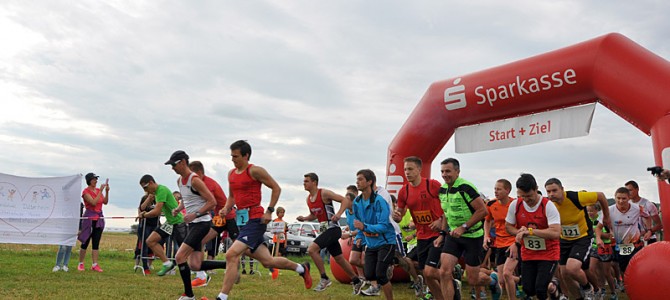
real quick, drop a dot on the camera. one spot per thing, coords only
(656, 170)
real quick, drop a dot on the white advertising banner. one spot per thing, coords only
(526, 130)
(39, 210)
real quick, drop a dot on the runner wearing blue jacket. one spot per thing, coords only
(371, 214)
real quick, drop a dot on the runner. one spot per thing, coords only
(420, 196)
(321, 208)
(372, 214)
(601, 258)
(465, 211)
(576, 235)
(497, 212)
(174, 226)
(536, 224)
(626, 217)
(649, 207)
(358, 240)
(211, 241)
(198, 202)
(244, 182)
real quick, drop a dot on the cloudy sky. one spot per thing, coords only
(115, 87)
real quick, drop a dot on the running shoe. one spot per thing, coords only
(275, 273)
(184, 297)
(418, 286)
(55, 269)
(97, 268)
(589, 294)
(81, 268)
(201, 282)
(305, 275)
(372, 291)
(457, 289)
(147, 272)
(165, 269)
(358, 287)
(65, 269)
(323, 284)
(496, 291)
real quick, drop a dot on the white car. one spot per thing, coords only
(300, 236)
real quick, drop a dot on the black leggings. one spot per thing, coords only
(536, 275)
(95, 235)
(377, 261)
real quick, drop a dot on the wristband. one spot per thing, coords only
(530, 231)
(443, 233)
(198, 214)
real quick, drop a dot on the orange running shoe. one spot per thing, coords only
(305, 275)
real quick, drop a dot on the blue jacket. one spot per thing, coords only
(375, 216)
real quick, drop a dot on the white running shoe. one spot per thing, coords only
(323, 284)
(55, 269)
(372, 291)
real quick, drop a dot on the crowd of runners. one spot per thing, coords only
(567, 244)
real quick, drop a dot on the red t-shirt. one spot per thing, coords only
(98, 206)
(424, 206)
(497, 212)
(247, 192)
(218, 193)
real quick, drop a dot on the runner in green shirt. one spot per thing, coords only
(465, 211)
(174, 227)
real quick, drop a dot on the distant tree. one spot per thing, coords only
(133, 229)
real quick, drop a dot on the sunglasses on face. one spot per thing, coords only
(175, 163)
(144, 187)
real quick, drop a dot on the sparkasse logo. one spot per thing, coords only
(454, 97)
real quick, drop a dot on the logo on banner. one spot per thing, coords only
(25, 212)
(454, 97)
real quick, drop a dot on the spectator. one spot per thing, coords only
(64, 251)
(94, 222)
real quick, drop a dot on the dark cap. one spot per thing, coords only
(176, 156)
(90, 177)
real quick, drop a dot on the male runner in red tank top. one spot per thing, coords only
(321, 208)
(536, 223)
(244, 182)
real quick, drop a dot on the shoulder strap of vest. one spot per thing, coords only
(428, 187)
(574, 198)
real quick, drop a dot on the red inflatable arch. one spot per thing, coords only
(611, 69)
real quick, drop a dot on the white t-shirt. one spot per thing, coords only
(550, 210)
(650, 208)
(626, 226)
(385, 194)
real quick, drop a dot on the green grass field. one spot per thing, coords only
(26, 274)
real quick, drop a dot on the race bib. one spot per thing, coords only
(534, 243)
(423, 217)
(277, 227)
(218, 221)
(626, 249)
(607, 250)
(323, 226)
(167, 228)
(242, 217)
(570, 231)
